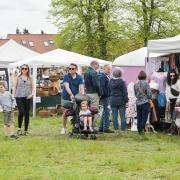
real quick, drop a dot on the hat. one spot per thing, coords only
(154, 85)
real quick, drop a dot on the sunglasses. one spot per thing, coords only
(71, 68)
(24, 68)
(172, 75)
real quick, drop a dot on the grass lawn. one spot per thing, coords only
(45, 154)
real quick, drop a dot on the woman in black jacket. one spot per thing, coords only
(118, 100)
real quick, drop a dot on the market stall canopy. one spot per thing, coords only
(134, 58)
(11, 51)
(58, 57)
(168, 45)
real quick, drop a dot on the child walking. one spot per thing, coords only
(7, 103)
(85, 115)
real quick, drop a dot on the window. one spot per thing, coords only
(46, 43)
(51, 42)
(31, 43)
(24, 42)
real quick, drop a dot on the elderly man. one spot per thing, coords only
(73, 84)
(105, 99)
(92, 85)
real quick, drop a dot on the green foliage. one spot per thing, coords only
(45, 154)
(153, 19)
(108, 28)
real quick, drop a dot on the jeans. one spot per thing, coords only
(122, 111)
(23, 105)
(104, 124)
(142, 116)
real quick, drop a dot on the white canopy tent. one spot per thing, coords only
(134, 58)
(132, 63)
(57, 57)
(12, 51)
(168, 45)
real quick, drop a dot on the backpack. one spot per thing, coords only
(161, 99)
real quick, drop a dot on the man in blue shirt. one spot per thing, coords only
(73, 84)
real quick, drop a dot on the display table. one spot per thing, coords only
(48, 101)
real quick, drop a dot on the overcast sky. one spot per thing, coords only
(30, 14)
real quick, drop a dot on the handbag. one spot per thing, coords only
(174, 92)
(161, 99)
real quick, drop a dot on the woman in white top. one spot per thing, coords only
(173, 90)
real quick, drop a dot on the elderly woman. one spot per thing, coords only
(143, 95)
(118, 100)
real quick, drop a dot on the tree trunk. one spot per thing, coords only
(102, 32)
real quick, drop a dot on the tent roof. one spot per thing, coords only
(58, 57)
(11, 51)
(168, 45)
(134, 58)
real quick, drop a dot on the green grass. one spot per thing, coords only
(44, 154)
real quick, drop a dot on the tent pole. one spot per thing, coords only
(9, 80)
(34, 97)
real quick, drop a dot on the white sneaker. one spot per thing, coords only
(63, 131)
(91, 129)
(116, 132)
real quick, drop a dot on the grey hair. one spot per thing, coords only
(106, 65)
(117, 72)
(93, 62)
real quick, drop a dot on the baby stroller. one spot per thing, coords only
(78, 125)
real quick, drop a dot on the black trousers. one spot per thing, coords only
(23, 105)
(172, 106)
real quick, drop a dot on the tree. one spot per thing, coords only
(86, 22)
(152, 19)
(108, 28)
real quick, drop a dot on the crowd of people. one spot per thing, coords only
(107, 89)
(110, 90)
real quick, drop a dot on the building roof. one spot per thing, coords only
(3, 41)
(40, 43)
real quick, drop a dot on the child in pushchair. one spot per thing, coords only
(82, 116)
(85, 115)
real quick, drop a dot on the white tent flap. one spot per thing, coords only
(168, 45)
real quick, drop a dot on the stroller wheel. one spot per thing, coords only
(93, 137)
(70, 134)
(83, 136)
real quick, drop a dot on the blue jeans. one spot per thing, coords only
(104, 124)
(142, 116)
(122, 111)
